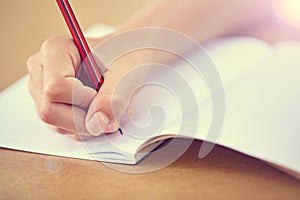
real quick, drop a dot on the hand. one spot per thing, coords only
(52, 81)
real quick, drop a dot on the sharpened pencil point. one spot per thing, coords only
(120, 130)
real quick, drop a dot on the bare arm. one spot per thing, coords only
(53, 68)
(204, 19)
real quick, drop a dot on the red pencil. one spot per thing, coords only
(81, 44)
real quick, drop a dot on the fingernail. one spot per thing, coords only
(113, 127)
(97, 124)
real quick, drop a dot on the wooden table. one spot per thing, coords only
(224, 174)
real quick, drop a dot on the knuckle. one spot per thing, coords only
(53, 90)
(30, 63)
(48, 43)
(56, 43)
(60, 47)
(52, 41)
(45, 112)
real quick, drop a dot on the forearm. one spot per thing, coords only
(200, 19)
(203, 19)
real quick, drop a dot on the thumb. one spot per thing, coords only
(112, 100)
(107, 107)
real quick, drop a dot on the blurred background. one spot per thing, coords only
(26, 24)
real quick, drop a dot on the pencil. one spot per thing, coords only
(81, 44)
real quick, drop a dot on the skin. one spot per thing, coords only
(52, 70)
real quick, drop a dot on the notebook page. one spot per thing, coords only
(234, 58)
(21, 129)
(32, 135)
(263, 111)
(262, 100)
(233, 136)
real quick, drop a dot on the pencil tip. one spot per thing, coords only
(120, 130)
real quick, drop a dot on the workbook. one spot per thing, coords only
(262, 111)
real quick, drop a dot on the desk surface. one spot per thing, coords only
(223, 174)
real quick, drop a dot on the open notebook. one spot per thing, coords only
(262, 87)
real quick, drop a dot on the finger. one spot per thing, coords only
(68, 90)
(35, 94)
(72, 135)
(63, 116)
(77, 137)
(60, 56)
(112, 100)
(61, 60)
(35, 82)
(108, 105)
(32, 63)
(62, 131)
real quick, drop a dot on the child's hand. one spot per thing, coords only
(52, 80)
